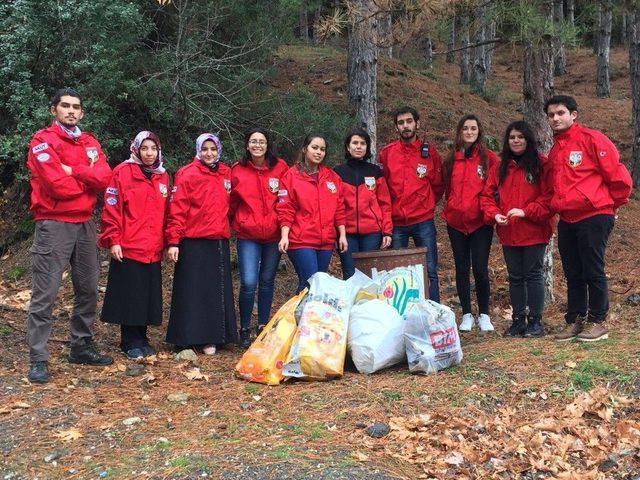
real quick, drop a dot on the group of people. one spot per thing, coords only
(306, 211)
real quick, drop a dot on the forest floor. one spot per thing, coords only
(529, 409)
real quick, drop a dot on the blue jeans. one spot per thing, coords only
(258, 263)
(308, 261)
(358, 243)
(424, 235)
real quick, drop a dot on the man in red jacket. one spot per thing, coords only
(590, 184)
(413, 170)
(68, 169)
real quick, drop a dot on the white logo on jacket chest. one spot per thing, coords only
(480, 171)
(370, 182)
(575, 159)
(332, 187)
(421, 170)
(274, 184)
(92, 153)
(227, 185)
(164, 191)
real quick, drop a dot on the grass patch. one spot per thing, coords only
(5, 330)
(252, 389)
(536, 352)
(391, 395)
(283, 452)
(16, 273)
(588, 371)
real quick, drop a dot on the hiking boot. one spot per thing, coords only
(245, 338)
(484, 322)
(570, 332)
(135, 353)
(39, 372)
(148, 350)
(518, 327)
(534, 327)
(86, 354)
(593, 332)
(259, 330)
(467, 322)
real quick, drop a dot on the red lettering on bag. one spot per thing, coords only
(443, 338)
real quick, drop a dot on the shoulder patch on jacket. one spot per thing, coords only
(40, 147)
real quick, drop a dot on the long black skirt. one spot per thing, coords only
(134, 294)
(202, 311)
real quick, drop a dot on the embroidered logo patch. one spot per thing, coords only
(332, 187)
(575, 159)
(370, 183)
(112, 191)
(603, 153)
(274, 183)
(421, 170)
(92, 153)
(528, 177)
(480, 171)
(112, 201)
(163, 189)
(227, 185)
(43, 157)
(40, 147)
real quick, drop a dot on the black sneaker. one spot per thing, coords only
(148, 350)
(245, 338)
(259, 329)
(87, 354)
(134, 353)
(39, 372)
(534, 328)
(517, 328)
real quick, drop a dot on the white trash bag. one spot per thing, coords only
(431, 337)
(375, 338)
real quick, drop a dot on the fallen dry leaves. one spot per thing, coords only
(68, 435)
(569, 442)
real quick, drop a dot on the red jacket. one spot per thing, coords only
(588, 177)
(254, 194)
(56, 195)
(516, 191)
(133, 213)
(415, 183)
(367, 202)
(199, 203)
(312, 209)
(462, 210)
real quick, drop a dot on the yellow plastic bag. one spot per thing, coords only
(319, 347)
(262, 362)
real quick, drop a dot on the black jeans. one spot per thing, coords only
(526, 287)
(582, 245)
(472, 251)
(133, 337)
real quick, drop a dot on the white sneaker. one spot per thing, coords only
(484, 322)
(467, 322)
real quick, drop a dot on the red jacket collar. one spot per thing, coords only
(571, 132)
(203, 168)
(323, 172)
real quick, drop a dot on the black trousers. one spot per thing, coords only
(472, 251)
(133, 336)
(526, 287)
(582, 246)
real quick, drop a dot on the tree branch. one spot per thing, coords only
(473, 45)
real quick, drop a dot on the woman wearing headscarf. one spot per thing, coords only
(197, 233)
(132, 229)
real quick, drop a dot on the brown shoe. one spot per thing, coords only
(593, 332)
(570, 332)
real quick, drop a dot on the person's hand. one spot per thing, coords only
(342, 244)
(515, 212)
(172, 253)
(116, 252)
(283, 244)
(66, 168)
(386, 242)
(501, 219)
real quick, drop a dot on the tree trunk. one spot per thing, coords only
(428, 52)
(304, 22)
(465, 67)
(603, 88)
(537, 88)
(560, 60)
(490, 48)
(479, 71)
(624, 20)
(362, 60)
(316, 17)
(634, 74)
(451, 44)
(570, 13)
(596, 29)
(385, 40)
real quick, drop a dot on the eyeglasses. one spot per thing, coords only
(261, 143)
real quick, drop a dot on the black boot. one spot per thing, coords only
(86, 354)
(39, 372)
(245, 338)
(534, 327)
(259, 330)
(518, 327)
